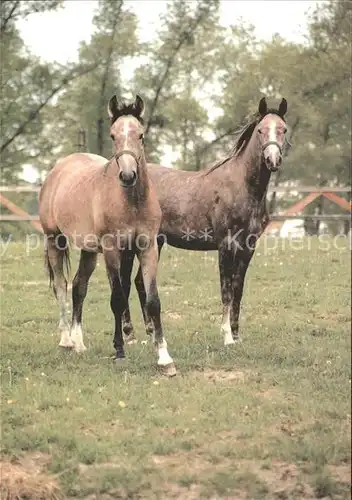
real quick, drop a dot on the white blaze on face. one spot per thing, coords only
(126, 129)
(129, 124)
(272, 130)
(272, 149)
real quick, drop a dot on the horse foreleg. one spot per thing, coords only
(87, 264)
(149, 263)
(118, 301)
(226, 269)
(243, 260)
(142, 296)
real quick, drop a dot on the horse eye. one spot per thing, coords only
(141, 137)
(260, 131)
(285, 130)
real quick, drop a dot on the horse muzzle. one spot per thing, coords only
(128, 163)
(128, 179)
(272, 156)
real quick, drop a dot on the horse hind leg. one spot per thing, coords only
(126, 269)
(226, 268)
(87, 264)
(56, 252)
(139, 283)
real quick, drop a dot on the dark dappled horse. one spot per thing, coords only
(221, 208)
(105, 207)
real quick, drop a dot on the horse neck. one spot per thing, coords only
(256, 175)
(142, 185)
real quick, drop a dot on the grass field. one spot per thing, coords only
(267, 419)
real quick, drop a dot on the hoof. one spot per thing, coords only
(80, 348)
(229, 341)
(128, 330)
(67, 344)
(237, 340)
(119, 361)
(131, 340)
(168, 370)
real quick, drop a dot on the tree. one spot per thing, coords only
(187, 120)
(330, 48)
(84, 104)
(180, 61)
(27, 87)
(314, 77)
(12, 10)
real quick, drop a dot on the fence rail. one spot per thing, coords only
(18, 218)
(293, 212)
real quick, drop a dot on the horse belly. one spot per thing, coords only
(74, 218)
(185, 242)
(89, 242)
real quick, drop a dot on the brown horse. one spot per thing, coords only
(107, 207)
(221, 208)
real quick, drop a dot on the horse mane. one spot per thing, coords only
(244, 135)
(127, 110)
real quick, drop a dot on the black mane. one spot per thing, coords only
(244, 136)
(246, 132)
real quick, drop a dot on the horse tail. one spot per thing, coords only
(64, 246)
(48, 267)
(64, 251)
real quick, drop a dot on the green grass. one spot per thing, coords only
(269, 418)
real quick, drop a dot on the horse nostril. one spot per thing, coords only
(127, 179)
(268, 161)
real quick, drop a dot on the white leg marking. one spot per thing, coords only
(226, 328)
(64, 325)
(164, 356)
(66, 340)
(77, 337)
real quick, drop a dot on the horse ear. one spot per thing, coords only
(113, 107)
(139, 106)
(283, 107)
(263, 107)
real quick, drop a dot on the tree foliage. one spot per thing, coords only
(28, 85)
(84, 104)
(200, 82)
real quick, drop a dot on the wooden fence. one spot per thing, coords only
(293, 212)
